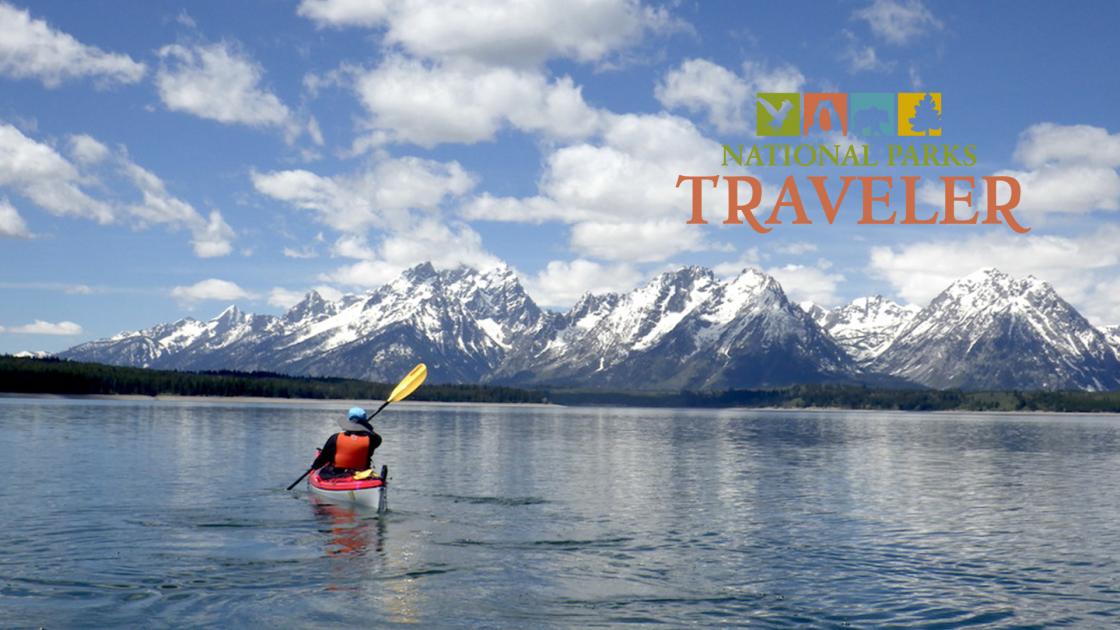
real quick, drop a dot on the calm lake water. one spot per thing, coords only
(159, 514)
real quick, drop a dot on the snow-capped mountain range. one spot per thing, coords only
(684, 329)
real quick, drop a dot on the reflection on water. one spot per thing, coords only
(352, 533)
(530, 517)
(352, 530)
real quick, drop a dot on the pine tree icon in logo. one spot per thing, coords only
(919, 113)
(926, 117)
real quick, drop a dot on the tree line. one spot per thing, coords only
(857, 397)
(56, 376)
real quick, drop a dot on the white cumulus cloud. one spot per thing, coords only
(210, 289)
(807, 283)
(12, 224)
(898, 21)
(1081, 268)
(428, 240)
(87, 149)
(562, 282)
(726, 97)
(463, 102)
(1069, 168)
(647, 241)
(379, 196)
(1049, 143)
(39, 173)
(397, 201)
(284, 298)
(621, 188)
(31, 49)
(36, 171)
(218, 82)
(40, 327)
(209, 237)
(498, 32)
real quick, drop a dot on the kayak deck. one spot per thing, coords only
(344, 483)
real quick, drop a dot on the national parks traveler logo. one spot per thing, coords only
(866, 114)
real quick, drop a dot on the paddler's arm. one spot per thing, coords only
(374, 442)
(326, 455)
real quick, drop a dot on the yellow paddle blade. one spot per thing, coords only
(409, 384)
(363, 474)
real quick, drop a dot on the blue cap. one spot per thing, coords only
(357, 412)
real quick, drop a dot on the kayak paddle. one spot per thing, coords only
(404, 389)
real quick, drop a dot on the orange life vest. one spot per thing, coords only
(351, 451)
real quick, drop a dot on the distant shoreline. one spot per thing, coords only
(338, 402)
(58, 378)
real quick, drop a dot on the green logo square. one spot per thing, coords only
(778, 114)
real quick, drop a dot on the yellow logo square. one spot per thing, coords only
(919, 113)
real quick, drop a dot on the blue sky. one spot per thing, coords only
(157, 161)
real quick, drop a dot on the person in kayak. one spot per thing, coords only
(350, 450)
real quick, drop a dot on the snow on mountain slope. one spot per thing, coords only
(1112, 336)
(867, 326)
(686, 329)
(32, 354)
(991, 331)
(814, 310)
(460, 322)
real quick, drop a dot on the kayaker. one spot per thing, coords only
(350, 450)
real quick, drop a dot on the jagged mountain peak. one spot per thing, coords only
(752, 280)
(991, 282)
(229, 313)
(669, 294)
(871, 302)
(814, 310)
(312, 307)
(682, 278)
(871, 308)
(420, 272)
(989, 291)
(990, 330)
(499, 274)
(1112, 337)
(311, 299)
(593, 301)
(230, 318)
(866, 326)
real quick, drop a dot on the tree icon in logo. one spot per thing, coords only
(919, 113)
(927, 116)
(873, 114)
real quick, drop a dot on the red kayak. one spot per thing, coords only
(371, 491)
